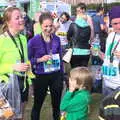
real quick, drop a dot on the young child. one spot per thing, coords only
(76, 100)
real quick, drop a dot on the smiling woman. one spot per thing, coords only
(15, 22)
(13, 51)
(45, 55)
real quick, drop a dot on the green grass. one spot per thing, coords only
(46, 112)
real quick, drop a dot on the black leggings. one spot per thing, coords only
(79, 60)
(41, 84)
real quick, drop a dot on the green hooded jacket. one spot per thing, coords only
(75, 104)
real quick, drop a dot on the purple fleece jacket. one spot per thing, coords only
(37, 48)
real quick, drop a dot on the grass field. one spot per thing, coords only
(46, 113)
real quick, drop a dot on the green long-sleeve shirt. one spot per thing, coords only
(75, 104)
(9, 54)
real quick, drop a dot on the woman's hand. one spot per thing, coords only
(21, 67)
(117, 53)
(44, 58)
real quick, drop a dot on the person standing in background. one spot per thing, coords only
(100, 27)
(81, 11)
(79, 35)
(63, 23)
(28, 30)
(13, 51)
(100, 32)
(111, 64)
(46, 58)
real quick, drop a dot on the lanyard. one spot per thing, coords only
(21, 51)
(112, 51)
(45, 46)
(112, 44)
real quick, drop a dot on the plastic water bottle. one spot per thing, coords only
(96, 45)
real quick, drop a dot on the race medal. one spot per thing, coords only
(49, 62)
(52, 64)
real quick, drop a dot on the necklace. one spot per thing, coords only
(46, 38)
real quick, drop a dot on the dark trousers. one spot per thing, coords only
(79, 60)
(103, 35)
(41, 83)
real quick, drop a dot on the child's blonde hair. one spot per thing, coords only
(83, 76)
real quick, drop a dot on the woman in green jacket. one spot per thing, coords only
(76, 100)
(13, 51)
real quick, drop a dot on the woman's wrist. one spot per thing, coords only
(39, 60)
(101, 55)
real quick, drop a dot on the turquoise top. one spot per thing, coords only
(81, 22)
(75, 104)
(78, 51)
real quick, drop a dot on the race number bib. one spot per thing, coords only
(63, 37)
(53, 64)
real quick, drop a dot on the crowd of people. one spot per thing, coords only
(38, 47)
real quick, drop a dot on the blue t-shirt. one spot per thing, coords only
(97, 21)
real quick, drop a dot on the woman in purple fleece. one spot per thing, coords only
(45, 55)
